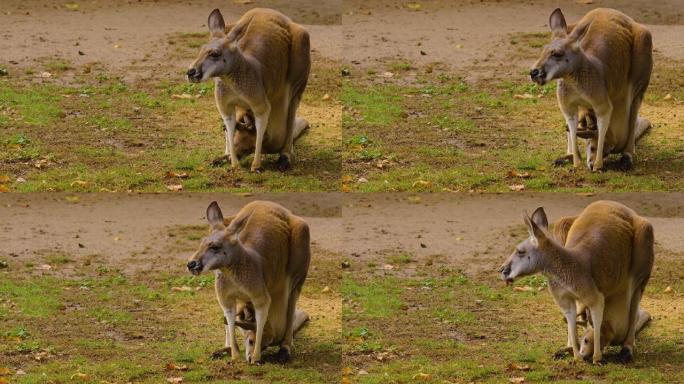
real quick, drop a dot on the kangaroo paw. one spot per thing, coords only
(626, 163)
(561, 161)
(220, 354)
(283, 163)
(625, 356)
(283, 355)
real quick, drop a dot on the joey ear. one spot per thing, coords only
(539, 218)
(557, 23)
(214, 215)
(216, 23)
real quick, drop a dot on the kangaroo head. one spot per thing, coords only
(217, 249)
(217, 56)
(561, 56)
(525, 260)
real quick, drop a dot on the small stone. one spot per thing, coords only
(362, 180)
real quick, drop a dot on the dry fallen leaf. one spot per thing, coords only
(171, 174)
(516, 187)
(422, 183)
(4, 371)
(44, 267)
(184, 288)
(325, 289)
(174, 367)
(523, 96)
(526, 288)
(515, 173)
(585, 2)
(667, 97)
(4, 179)
(518, 367)
(174, 380)
(517, 379)
(3, 380)
(422, 376)
(71, 6)
(46, 75)
(388, 74)
(414, 6)
(668, 289)
(243, 2)
(182, 96)
(80, 183)
(326, 97)
(3, 188)
(388, 267)
(414, 199)
(175, 187)
(80, 376)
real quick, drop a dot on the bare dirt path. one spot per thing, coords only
(475, 232)
(464, 33)
(119, 34)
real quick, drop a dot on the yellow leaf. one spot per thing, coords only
(71, 6)
(4, 179)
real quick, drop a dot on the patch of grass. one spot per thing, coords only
(33, 298)
(38, 106)
(376, 298)
(376, 106)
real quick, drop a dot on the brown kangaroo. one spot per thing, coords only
(607, 253)
(260, 64)
(261, 258)
(603, 64)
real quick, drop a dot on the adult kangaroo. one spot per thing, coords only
(261, 258)
(261, 66)
(607, 253)
(603, 64)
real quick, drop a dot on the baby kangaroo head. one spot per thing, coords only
(526, 257)
(245, 135)
(246, 321)
(216, 56)
(560, 56)
(587, 344)
(216, 250)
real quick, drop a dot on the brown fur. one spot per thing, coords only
(261, 257)
(603, 64)
(261, 64)
(608, 252)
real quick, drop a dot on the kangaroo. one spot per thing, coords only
(608, 251)
(616, 313)
(260, 64)
(603, 63)
(261, 258)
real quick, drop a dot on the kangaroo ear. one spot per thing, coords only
(536, 233)
(214, 215)
(557, 23)
(216, 23)
(539, 218)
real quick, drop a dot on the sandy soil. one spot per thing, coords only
(474, 230)
(122, 34)
(466, 33)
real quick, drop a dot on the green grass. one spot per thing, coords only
(35, 106)
(33, 298)
(378, 299)
(377, 106)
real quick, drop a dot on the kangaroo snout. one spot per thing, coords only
(538, 76)
(194, 75)
(195, 267)
(505, 270)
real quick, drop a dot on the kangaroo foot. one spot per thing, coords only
(283, 355)
(561, 161)
(283, 163)
(625, 356)
(221, 353)
(562, 353)
(626, 163)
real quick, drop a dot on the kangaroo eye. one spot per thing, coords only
(215, 247)
(520, 252)
(557, 55)
(214, 54)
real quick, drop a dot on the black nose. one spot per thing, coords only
(505, 270)
(192, 265)
(191, 72)
(534, 73)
